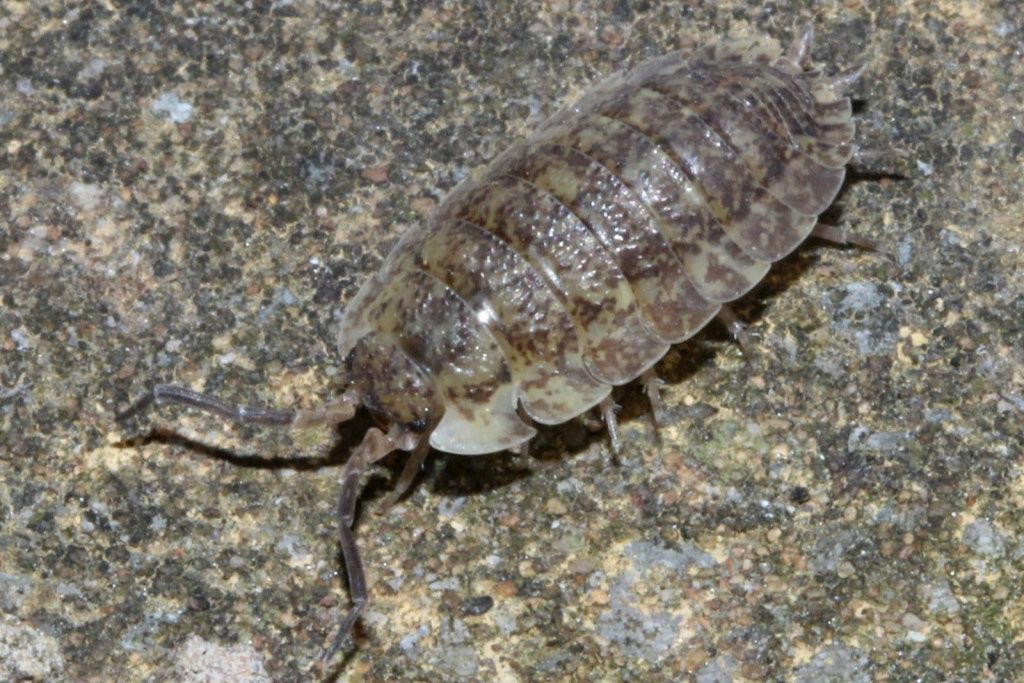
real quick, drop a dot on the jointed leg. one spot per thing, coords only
(608, 410)
(652, 387)
(844, 80)
(736, 328)
(837, 235)
(375, 446)
(409, 472)
(870, 155)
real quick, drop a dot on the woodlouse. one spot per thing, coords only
(576, 258)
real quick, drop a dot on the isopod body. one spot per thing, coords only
(573, 261)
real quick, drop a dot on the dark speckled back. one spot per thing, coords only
(574, 260)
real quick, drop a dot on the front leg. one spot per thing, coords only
(375, 445)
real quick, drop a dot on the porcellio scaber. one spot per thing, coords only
(573, 261)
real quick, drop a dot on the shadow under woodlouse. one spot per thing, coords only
(255, 461)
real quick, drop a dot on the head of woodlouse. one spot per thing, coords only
(390, 386)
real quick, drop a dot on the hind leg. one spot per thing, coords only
(608, 413)
(836, 235)
(736, 328)
(652, 388)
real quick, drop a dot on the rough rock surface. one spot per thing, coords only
(190, 192)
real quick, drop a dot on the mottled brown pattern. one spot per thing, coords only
(571, 262)
(438, 330)
(759, 223)
(786, 171)
(511, 298)
(827, 139)
(716, 268)
(391, 383)
(559, 244)
(622, 223)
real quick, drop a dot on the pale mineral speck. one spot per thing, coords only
(170, 106)
(22, 339)
(939, 598)
(836, 663)
(198, 226)
(721, 669)
(86, 196)
(200, 661)
(93, 69)
(983, 539)
(26, 653)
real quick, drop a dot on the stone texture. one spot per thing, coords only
(191, 192)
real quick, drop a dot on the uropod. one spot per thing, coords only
(572, 262)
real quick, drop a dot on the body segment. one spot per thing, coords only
(572, 262)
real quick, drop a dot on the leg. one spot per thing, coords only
(836, 235)
(652, 387)
(339, 410)
(842, 81)
(868, 156)
(736, 328)
(375, 446)
(608, 410)
(412, 467)
(874, 162)
(523, 449)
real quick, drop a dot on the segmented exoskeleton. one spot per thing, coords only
(572, 262)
